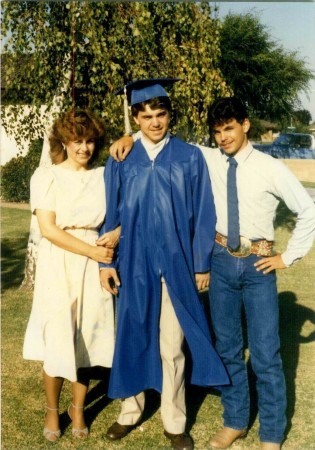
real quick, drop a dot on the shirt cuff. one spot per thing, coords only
(288, 259)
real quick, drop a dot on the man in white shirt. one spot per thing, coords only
(244, 277)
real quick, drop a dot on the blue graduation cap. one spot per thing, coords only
(142, 90)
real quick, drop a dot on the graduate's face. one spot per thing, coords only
(153, 123)
(231, 136)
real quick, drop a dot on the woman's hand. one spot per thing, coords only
(101, 254)
(109, 239)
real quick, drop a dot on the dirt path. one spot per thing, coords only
(15, 205)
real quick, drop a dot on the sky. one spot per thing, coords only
(291, 25)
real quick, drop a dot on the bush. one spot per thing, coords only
(16, 174)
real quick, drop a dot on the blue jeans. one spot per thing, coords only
(234, 283)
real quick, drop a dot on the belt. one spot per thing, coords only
(80, 228)
(247, 247)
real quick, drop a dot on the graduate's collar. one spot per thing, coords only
(150, 146)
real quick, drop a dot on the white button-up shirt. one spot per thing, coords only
(261, 182)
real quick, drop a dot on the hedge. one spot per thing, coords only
(16, 174)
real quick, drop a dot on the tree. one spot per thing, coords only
(303, 116)
(105, 45)
(110, 44)
(259, 70)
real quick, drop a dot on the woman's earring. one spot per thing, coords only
(63, 147)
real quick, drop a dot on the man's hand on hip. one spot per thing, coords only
(270, 263)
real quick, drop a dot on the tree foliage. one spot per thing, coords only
(303, 117)
(259, 70)
(107, 44)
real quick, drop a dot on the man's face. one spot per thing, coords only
(153, 123)
(232, 136)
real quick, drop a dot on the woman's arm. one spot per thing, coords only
(64, 240)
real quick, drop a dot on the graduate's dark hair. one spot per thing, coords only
(225, 109)
(73, 125)
(154, 103)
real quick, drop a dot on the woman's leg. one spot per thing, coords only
(53, 386)
(76, 409)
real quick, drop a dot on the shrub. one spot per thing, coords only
(16, 174)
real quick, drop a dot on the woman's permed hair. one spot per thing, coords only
(71, 126)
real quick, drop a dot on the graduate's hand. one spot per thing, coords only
(270, 263)
(202, 280)
(109, 280)
(121, 148)
(109, 239)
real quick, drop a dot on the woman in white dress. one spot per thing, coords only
(72, 321)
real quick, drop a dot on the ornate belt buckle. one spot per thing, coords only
(245, 248)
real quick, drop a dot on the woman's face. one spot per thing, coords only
(80, 151)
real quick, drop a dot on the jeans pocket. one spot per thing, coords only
(218, 250)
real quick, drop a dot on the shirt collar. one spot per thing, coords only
(151, 147)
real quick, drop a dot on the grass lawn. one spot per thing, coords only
(22, 391)
(309, 184)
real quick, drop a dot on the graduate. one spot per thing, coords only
(161, 196)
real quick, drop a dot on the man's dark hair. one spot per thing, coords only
(154, 103)
(225, 109)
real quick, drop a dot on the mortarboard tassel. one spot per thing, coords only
(128, 129)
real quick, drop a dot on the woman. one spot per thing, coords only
(71, 324)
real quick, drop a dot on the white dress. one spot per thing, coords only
(72, 319)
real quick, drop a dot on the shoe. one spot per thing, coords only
(269, 446)
(78, 433)
(224, 438)
(117, 431)
(51, 436)
(180, 441)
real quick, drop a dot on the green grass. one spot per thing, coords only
(308, 184)
(22, 390)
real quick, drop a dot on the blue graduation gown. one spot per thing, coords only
(167, 217)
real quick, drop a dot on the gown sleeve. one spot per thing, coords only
(42, 194)
(204, 214)
(112, 189)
